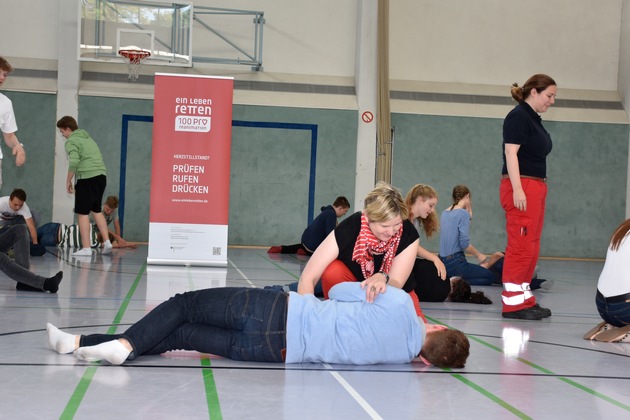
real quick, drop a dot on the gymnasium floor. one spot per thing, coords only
(517, 369)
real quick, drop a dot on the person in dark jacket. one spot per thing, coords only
(317, 231)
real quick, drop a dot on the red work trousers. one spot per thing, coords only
(338, 272)
(524, 229)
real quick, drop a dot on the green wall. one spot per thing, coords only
(586, 169)
(35, 115)
(270, 169)
(270, 166)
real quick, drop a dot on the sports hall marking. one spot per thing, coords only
(539, 368)
(212, 394)
(371, 411)
(81, 389)
(353, 393)
(279, 267)
(242, 274)
(88, 375)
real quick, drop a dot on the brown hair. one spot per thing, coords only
(619, 235)
(539, 82)
(67, 122)
(5, 65)
(446, 348)
(112, 202)
(431, 224)
(461, 292)
(341, 201)
(459, 192)
(18, 193)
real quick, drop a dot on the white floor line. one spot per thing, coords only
(241, 273)
(358, 398)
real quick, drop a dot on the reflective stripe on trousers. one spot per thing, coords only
(516, 294)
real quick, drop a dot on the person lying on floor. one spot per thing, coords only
(67, 236)
(265, 325)
(455, 289)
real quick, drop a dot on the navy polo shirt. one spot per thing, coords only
(523, 126)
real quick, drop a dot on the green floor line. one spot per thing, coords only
(279, 267)
(561, 378)
(79, 392)
(212, 395)
(576, 385)
(478, 388)
(491, 396)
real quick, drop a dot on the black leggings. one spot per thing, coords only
(427, 283)
(293, 249)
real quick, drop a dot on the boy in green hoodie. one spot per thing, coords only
(87, 167)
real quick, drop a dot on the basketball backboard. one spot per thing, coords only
(163, 29)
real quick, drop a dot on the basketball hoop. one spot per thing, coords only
(134, 59)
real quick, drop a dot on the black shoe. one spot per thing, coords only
(546, 312)
(26, 287)
(531, 314)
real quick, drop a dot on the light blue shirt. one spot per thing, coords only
(454, 231)
(347, 330)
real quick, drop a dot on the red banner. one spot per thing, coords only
(190, 175)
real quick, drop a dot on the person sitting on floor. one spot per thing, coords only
(376, 247)
(110, 213)
(455, 241)
(428, 277)
(613, 291)
(317, 231)
(15, 205)
(26, 279)
(14, 238)
(279, 327)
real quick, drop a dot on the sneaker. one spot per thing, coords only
(275, 250)
(107, 247)
(531, 314)
(83, 252)
(546, 312)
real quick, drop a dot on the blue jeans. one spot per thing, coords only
(48, 234)
(617, 313)
(475, 275)
(238, 323)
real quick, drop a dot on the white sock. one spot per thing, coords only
(112, 351)
(82, 252)
(61, 342)
(107, 247)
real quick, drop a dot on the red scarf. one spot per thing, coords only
(367, 244)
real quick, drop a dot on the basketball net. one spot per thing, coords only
(134, 59)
